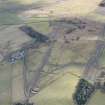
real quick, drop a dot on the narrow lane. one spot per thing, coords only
(93, 62)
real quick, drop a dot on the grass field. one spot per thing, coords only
(102, 59)
(5, 84)
(60, 92)
(9, 18)
(60, 8)
(40, 24)
(97, 99)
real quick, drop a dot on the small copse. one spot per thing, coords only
(83, 92)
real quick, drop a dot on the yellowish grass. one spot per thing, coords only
(60, 92)
(74, 7)
(26, 1)
(96, 17)
(67, 7)
(97, 99)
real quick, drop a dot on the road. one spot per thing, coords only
(35, 79)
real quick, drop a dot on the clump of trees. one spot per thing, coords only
(83, 92)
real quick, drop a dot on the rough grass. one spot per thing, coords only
(25, 2)
(75, 8)
(96, 17)
(5, 84)
(60, 92)
(5, 77)
(65, 78)
(102, 59)
(40, 24)
(9, 18)
(97, 99)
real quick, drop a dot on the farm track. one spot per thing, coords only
(34, 81)
(93, 62)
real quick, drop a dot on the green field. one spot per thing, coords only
(59, 92)
(102, 59)
(56, 87)
(9, 18)
(5, 83)
(97, 99)
(76, 9)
